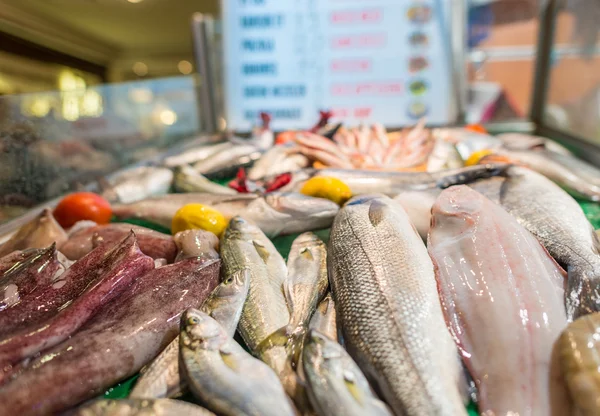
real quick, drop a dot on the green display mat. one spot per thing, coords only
(283, 245)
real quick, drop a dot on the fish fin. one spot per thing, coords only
(279, 338)
(350, 383)
(377, 212)
(261, 250)
(229, 359)
(582, 296)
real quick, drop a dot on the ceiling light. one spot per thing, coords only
(185, 67)
(140, 69)
(168, 117)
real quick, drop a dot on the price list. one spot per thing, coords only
(374, 60)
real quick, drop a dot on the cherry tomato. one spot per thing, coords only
(82, 206)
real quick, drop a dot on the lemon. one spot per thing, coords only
(194, 216)
(477, 156)
(327, 187)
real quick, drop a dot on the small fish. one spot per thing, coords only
(221, 374)
(41, 232)
(137, 184)
(196, 243)
(324, 318)
(195, 154)
(140, 407)
(188, 180)
(162, 377)
(238, 155)
(279, 159)
(336, 384)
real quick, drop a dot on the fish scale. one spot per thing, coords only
(386, 299)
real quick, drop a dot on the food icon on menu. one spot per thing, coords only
(417, 109)
(418, 87)
(418, 39)
(419, 14)
(417, 64)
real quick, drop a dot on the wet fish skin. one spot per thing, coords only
(121, 338)
(162, 378)
(188, 180)
(223, 375)
(336, 384)
(139, 183)
(417, 205)
(306, 283)
(559, 223)
(152, 243)
(275, 213)
(140, 407)
(115, 272)
(324, 318)
(37, 269)
(196, 243)
(508, 297)
(383, 282)
(41, 232)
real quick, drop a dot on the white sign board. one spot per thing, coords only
(376, 60)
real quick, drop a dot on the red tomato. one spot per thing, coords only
(82, 206)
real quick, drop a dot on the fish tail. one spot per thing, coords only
(582, 296)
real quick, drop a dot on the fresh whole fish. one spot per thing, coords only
(392, 183)
(275, 213)
(195, 154)
(578, 352)
(221, 374)
(443, 156)
(324, 318)
(502, 296)
(279, 159)
(41, 232)
(152, 243)
(139, 183)
(38, 269)
(265, 313)
(111, 276)
(520, 141)
(467, 142)
(306, 282)
(559, 224)
(196, 243)
(336, 384)
(124, 336)
(188, 180)
(237, 155)
(140, 407)
(162, 377)
(385, 294)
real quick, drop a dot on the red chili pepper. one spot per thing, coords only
(279, 182)
(240, 183)
(324, 117)
(266, 120)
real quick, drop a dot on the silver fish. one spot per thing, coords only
(138, 183)
(279, 159)
(188, 180)
(162, 377)
(140, 407)
(195, 154)
(336, 384)
(559, 223)
(385, 293)
(223, 375)
(324, 318)
(392, 183)
(239, 154)
(275, 213)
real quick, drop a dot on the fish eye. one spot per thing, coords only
(229, 280)
(192, 320)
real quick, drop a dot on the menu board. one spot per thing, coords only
(366, 60)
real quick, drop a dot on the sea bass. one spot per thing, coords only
(139, 183)
(223, 375)
(386, 299)
(124, 336)
(152, 243)
(111, 276)
(275, 213)
(41, 232)
(336, 384)
(502, 296)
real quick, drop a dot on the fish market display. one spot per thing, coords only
(324, 318)
(196, 243)
(503, 303)
(560, 225)
(37, 269)
(226, 378)
(275, 213)
(154, 244)
(386, 299)
(245, 247)
(336, 384)
(188, 180)
(279, 159)
(306, 282)
(139, 183)
(110, 277)
(114, 345)
(39, 233)
(162, 377)
(141, 407)
(578, 352)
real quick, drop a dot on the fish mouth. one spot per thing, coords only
(301, 205)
